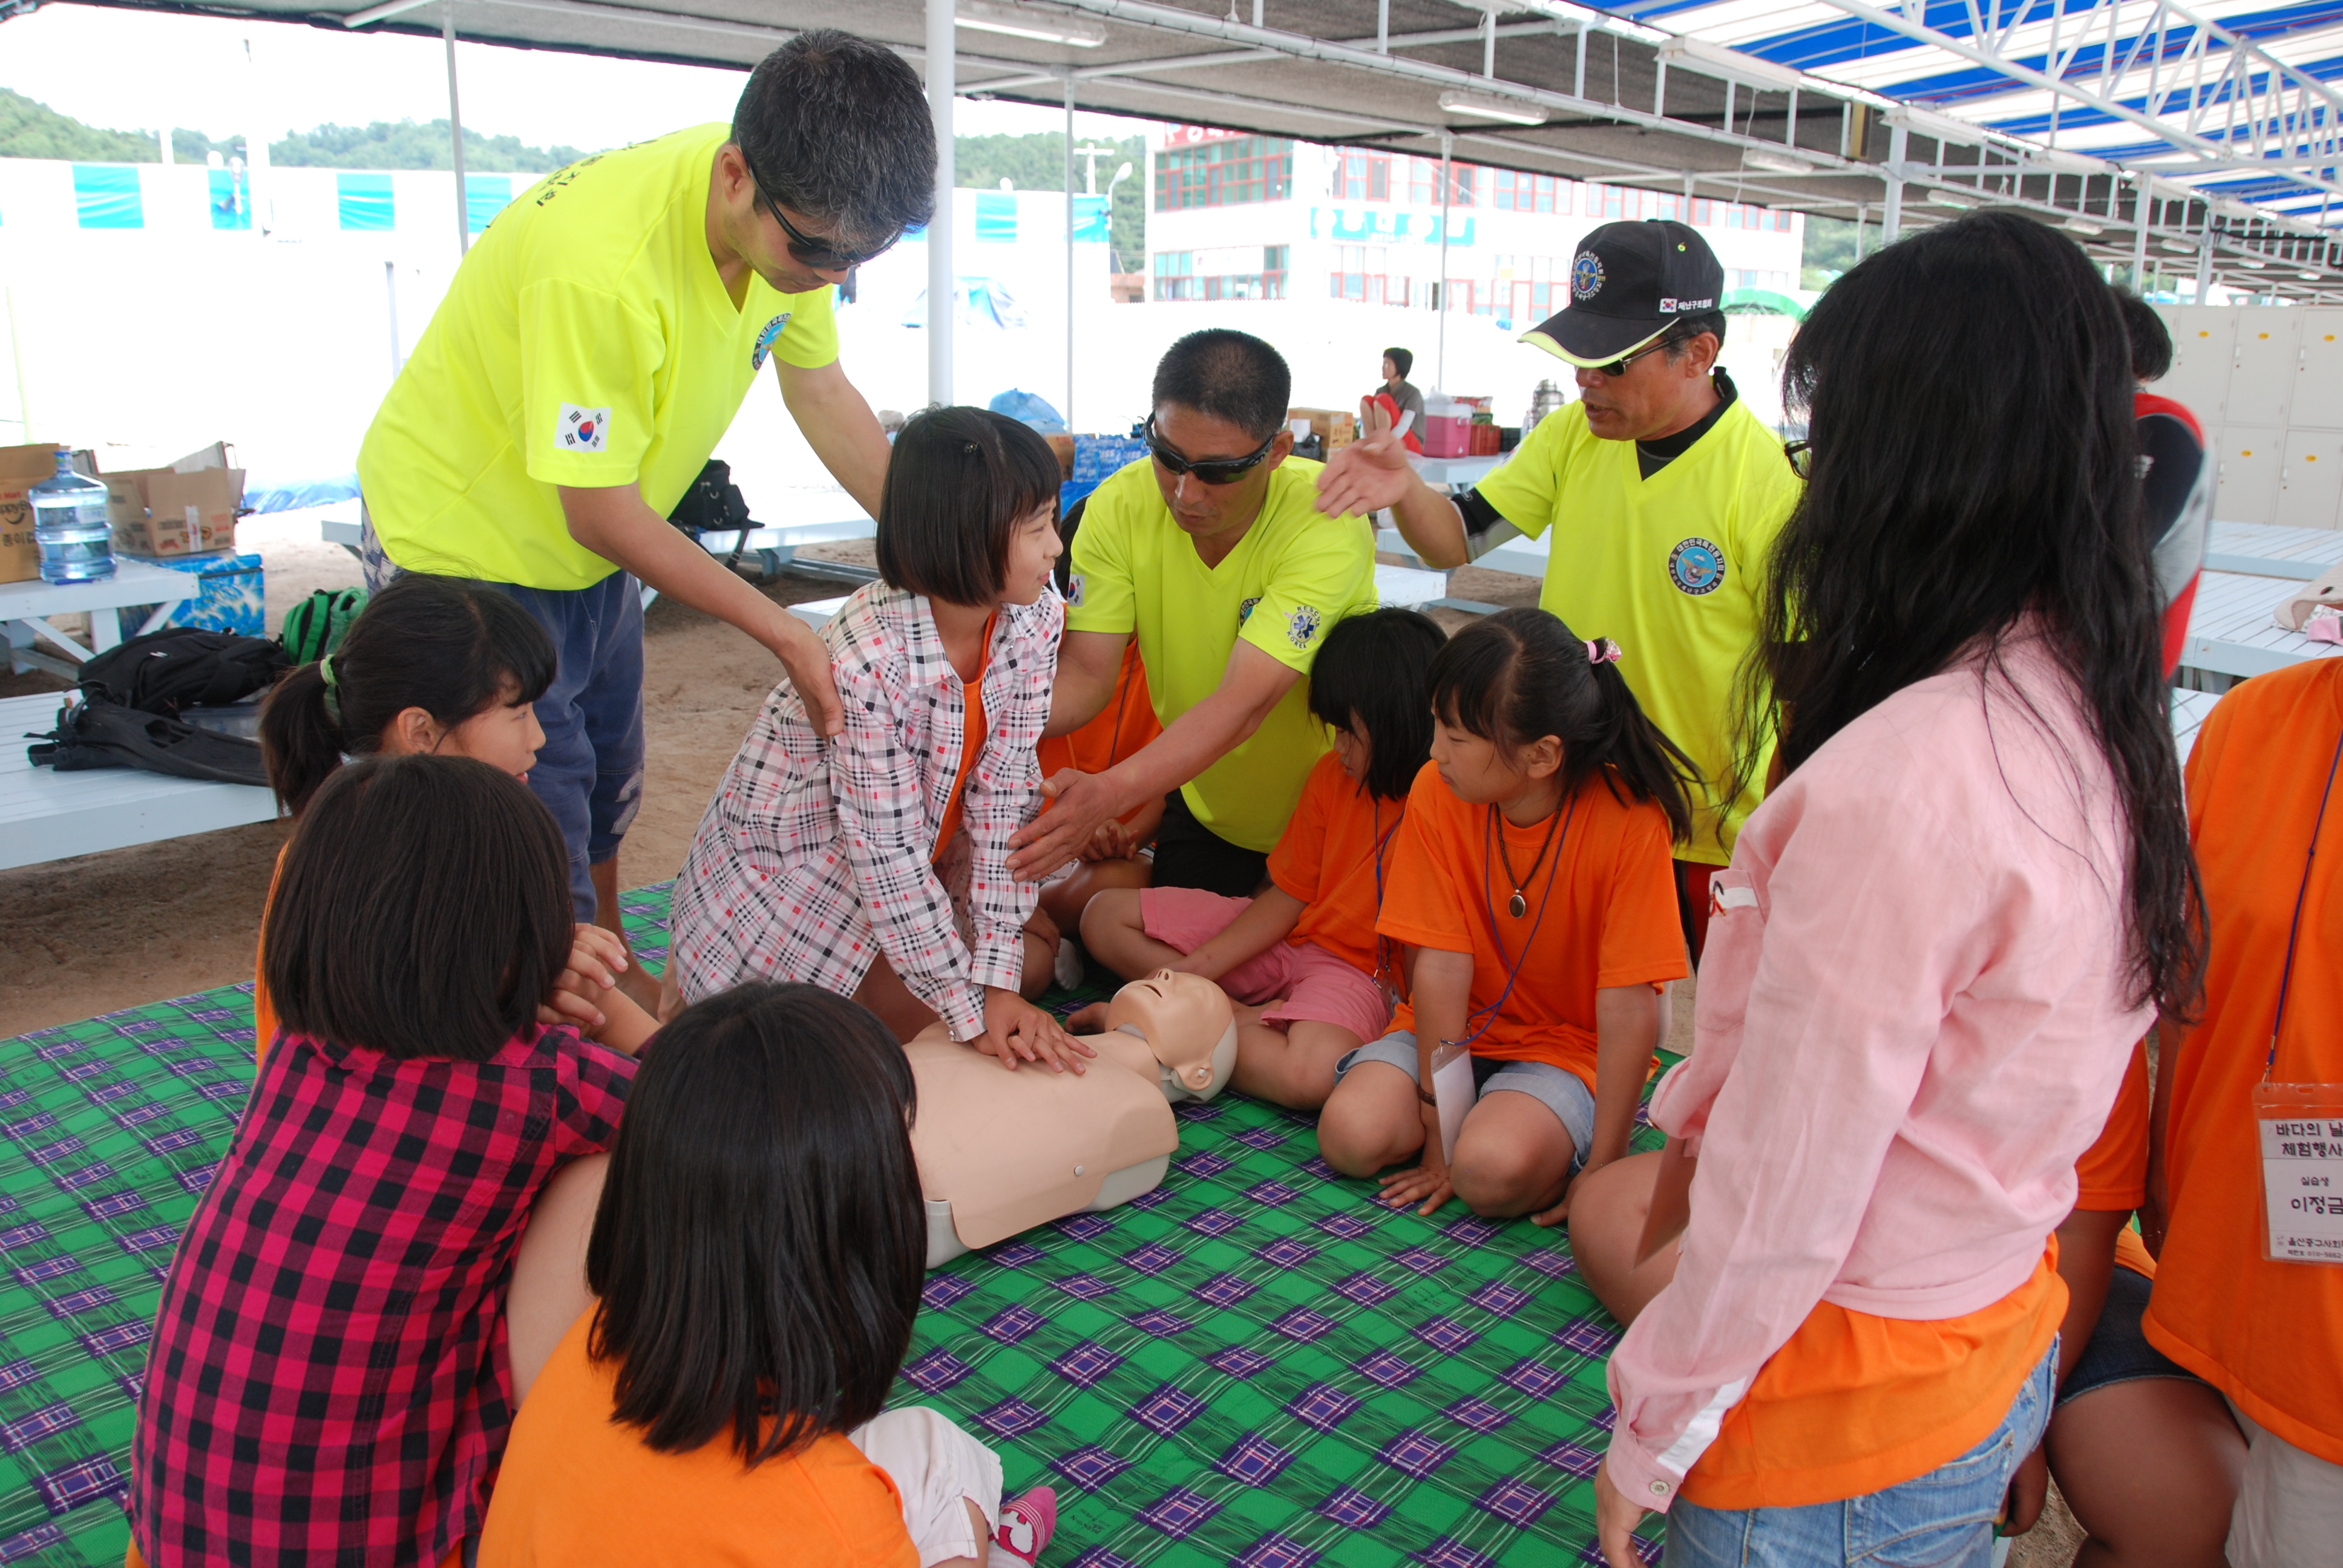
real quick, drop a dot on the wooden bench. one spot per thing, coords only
(46, 815)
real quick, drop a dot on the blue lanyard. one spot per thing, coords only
(1383, 942)
(2294, 926)
(1488, 1015)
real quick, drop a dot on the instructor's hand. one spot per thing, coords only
(807, 658)
(1080, 804)
(1365, 477)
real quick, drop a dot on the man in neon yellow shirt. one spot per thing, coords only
(1213, 553)
(595, 346)
(1664, 495)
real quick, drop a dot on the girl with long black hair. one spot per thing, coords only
(1940, 935)
(1533, 880)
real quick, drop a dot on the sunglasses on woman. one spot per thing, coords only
(1212, 470)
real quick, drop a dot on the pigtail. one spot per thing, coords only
(1653, 767)
(301, 740)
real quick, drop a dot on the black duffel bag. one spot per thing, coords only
(95, 733)
(181, 666)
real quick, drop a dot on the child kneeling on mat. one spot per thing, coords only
(1534, 879)
(758, 1250)
(1305, 946)
(328, 1380)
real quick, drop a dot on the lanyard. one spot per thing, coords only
(1383, 942)
(2294, 926)
(1488, 1015)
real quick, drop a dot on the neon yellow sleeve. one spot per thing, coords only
(809, 340)
(587, 363)
(1100, 594)
(1328, 567)
(1525, 489)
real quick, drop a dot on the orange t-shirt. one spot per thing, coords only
(1607, 888)
(971, 741)
(1122, 729)
(578, 1489)
(264, 1008)
(2263, 1332)
(2113, 1172)
(1855, 1403)
(1327, 858)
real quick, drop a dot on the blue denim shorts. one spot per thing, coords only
(2119, 1351)
(1563, 1093)
(1944, 1519)
(590, 771)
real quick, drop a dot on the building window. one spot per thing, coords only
(1605, 202)
(1740, 277)
(1224, 174)
(1513, 191)
(1363, 276)
(1423, 182)
(1230, 272)
(1362, 177)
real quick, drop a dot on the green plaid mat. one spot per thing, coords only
(1255, 1363)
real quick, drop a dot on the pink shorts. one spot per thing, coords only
(1314, 983)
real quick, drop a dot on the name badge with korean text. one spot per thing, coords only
(2301, 1137)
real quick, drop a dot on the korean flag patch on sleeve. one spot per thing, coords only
(583, 430)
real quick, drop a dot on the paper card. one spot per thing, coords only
(2301, 1137)
(1454, 1088)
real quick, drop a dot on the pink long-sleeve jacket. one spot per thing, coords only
(1914, 1014)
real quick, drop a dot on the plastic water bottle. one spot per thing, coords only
(69, 523)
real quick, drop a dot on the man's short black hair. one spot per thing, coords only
(423, 910)
(1680, 331)
(835, 128)
(1226, 375)
(760, 1241)
(2151, 340)
(959, 481)
(1402, 360)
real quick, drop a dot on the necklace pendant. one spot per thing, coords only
(1517, 906)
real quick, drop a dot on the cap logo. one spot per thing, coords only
(1667, 307)
(1586, 275)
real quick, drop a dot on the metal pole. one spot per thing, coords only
(1383, 26)
(1069, 247)
(1891, 223)
(1862, 213)
(2205, 261)
(1439, 293)
(456, 130)
(943, 293)
(2139, 231)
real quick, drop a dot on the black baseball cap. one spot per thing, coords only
(1628, 284)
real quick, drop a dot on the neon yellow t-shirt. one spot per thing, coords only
(586, 340)
(1293, 576)
(1668, 567)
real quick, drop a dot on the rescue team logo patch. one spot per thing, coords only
(1586, 275)
(765, 340)
(1244, 611)
(1696, 565)
(584, 429)
(1074, 591)
(1302, 625)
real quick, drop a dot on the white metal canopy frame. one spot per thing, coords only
(2157, 134)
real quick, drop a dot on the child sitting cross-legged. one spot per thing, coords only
(328, 1380)
(1305, 945)
(1535, 883)
(758, 1250)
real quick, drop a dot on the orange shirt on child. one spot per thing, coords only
(1606, 889)
(2265, 1333)
(1125, 725)
(971, 741)
(579, 1489)
(1327, 858)
(264, 1008)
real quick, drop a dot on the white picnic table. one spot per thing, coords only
(2230, 631)
(2264, 549)
(2188, 711)
(26, 606)
(46, 815)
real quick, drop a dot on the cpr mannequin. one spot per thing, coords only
(1002, 1151)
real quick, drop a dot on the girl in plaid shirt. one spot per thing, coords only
(330, 1379)
(874, 864)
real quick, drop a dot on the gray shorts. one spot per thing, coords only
(1563, 1093)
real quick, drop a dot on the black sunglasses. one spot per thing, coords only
(1801, 456)
(1619, 367)
(1212, 470)
(820, 254)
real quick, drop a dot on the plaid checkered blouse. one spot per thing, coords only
(329, 1382)
(815, 856)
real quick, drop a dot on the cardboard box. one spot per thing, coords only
(1338, 427)
(188, 508)
(21, 468)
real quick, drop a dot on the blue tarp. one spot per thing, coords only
(485, 195)
(996, 216)
(290, 495)
(1031, 409)
(105, 196)
(365, 201)
(983, 302)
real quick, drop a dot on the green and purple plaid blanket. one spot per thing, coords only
(1255, 1363)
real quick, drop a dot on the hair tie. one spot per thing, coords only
(1602, 650)
(333, 693)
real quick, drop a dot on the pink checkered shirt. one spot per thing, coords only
(329, 1382)
(815, 856)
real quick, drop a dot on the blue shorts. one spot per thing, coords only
(590, 771)
(2119, 1351)
(1563, 1093)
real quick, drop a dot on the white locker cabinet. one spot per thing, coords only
(2263, 372)
(2252, 459)
(2318, 376)
(2203, 345)
(2310, 485)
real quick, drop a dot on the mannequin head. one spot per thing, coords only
(1187, 1022)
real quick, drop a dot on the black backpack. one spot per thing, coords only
(100, 734)
(714, 504)
(181, 666)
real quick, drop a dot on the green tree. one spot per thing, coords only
(33, 130)
(1829, 249)
(409, 146)
(1038, 162)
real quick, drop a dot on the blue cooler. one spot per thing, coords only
(230, 597)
